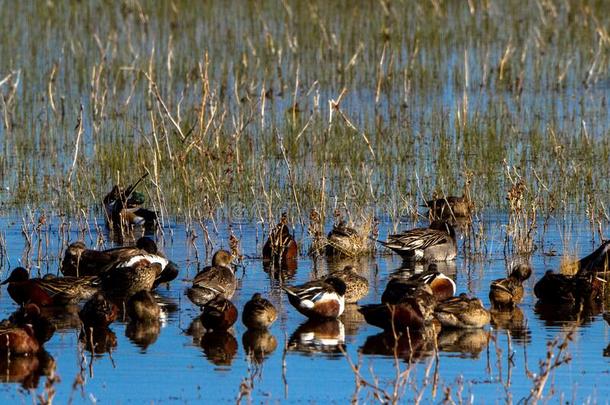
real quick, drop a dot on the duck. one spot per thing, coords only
(219, 314)
(56, 291)
(258, 313)
(412, 312)
(357, 287)
(583, 287)
(442, 287)
(98, 312)
(343, 240)
(435, 243)
(507, 292)
(215, 280)
(318, 298)
(450, 207)
(123, 207)
(143, 307)
(462, 312)
(124, 279)
(280, 246)
(80, 261)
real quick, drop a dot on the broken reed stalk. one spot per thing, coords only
(79, 132)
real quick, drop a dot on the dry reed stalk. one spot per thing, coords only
(315, 229)
(556, 356)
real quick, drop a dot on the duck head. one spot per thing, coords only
(337, 284)
(19, 274)
(147, 244)
(222, 258)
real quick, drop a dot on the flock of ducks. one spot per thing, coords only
(120, 280)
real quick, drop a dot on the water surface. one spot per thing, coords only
(181, 365)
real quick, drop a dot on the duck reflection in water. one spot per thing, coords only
(196, 330)
(352, 320)
(31, 315)
(258, 344)
(410, 345)
(554, 314)
(512, 320)
(284, 271)
(337, 263)
(26, 370)
(409, 268)
(63, 318)
(98, 340)
(145, 323)
(219, 347)
(467, 342)
(143, 334)
(326, 336)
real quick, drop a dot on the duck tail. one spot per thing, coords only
(596, 261)
(383, 242)
(289, 291)
(132, 187)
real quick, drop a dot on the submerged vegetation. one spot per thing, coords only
(245, 109)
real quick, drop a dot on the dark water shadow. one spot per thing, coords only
(555, 315)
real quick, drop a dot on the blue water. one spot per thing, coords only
(181, 366)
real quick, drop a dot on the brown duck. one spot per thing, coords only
(49, 291)
(506, 292)
(215, 280)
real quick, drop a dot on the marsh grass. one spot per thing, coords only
(234, 107)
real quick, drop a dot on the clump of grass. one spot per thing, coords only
(522, 219)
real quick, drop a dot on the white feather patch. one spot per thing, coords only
(307, 304)
(151, 258)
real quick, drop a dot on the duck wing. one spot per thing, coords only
(216, 278)
(417, 239)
